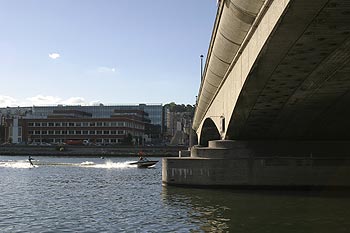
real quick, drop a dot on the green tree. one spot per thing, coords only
(127, 140)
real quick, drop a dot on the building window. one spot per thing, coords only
(71, 123)
(106, 132)
(121, 132)
(30, 132)
(113, 132)
(105, 141)
(85, 123)
(85, 132)
(64, 131)
(113, 140)
(92, 131)
(44, 132)
(78, 132)
(71, 132)
(30, 124)
(106, 124)
(51, 124)
(99, 132)
(121, 124)
(37, 132)
(99, 123)
(50, 132)
(92, 123)
(57, 124)
(113, 124)
(37, 124)
(57, 132)
(44, 124)
(64, 124)
(78, 124)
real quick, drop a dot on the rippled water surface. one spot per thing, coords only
(108, 195)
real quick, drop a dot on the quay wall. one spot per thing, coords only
(243, 164)
(89, 151)
(264, 172)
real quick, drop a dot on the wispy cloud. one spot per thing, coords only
(7, 101)
(75, 101)
(42, 100)
(104, 69)
(54, 55)
(95, 103)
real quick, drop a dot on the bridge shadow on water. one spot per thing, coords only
(224, 210)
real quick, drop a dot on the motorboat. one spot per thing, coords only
(144, 163)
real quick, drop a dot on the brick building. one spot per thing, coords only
(77, 126)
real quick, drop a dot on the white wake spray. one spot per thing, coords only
(108, 164)
(16, 164)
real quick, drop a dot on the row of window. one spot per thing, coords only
(86, 124)
(79, 124)
(76, 132)
(98, 140)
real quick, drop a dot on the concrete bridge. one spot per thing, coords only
(273, 106)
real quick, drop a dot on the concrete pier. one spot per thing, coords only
(262, 164)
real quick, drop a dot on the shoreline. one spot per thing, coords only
(90, 151)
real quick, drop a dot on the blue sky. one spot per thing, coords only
(102, 51)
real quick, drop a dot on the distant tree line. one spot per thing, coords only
(173, 107)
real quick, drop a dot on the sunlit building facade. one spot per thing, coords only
(95, 124)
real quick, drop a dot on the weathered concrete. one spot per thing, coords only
(276, 70)
(184, 153)
(289, 79)
(262, 164)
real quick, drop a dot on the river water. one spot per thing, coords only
(108, 195)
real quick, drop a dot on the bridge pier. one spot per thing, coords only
(262, 164)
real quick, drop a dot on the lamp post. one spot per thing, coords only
(201, 56)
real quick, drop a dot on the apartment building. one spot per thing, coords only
(68, 124)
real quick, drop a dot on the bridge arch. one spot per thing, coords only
(209, 132)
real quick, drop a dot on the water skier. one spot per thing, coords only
(30, 160)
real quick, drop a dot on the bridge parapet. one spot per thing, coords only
(234, 20)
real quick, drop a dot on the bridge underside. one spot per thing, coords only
(299, 85)
(287, 105)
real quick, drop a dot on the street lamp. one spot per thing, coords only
(201, 56)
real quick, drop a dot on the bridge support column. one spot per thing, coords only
(262, 164)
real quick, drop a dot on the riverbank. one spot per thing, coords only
(102, 151)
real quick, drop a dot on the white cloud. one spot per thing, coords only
(7, 101)
(104, 69)
(75, 101)
(95, 103)
(44, 100)
(54, 55)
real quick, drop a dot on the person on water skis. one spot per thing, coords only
(30, 160)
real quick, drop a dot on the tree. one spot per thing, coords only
(173, 107)
(127, 140)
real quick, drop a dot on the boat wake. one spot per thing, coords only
(88, 164)
(16, 164)
(107, 165)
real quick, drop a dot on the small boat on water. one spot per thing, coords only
(144, 163)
